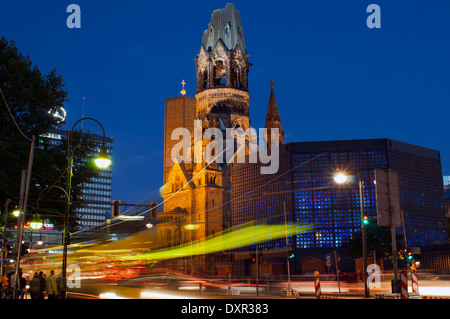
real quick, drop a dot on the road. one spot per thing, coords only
(175, 286)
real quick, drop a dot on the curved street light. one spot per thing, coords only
(36, 223)
(102, 162)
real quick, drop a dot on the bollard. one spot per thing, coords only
(404, 280)
(415, 282)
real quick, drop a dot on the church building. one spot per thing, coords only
(197, 196)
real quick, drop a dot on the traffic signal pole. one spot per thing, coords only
(257, 271)
(388, 210)
(363, 235)
(287, 250)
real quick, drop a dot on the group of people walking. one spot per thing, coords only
(39, 286)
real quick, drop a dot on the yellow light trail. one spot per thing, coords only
(241, 237)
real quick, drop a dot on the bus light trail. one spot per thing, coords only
(241, 237)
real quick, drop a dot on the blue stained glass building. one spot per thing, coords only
(307, 170)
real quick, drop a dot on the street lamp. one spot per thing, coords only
(16, 212)
(102, 162)
(341, 178)
(36, 223)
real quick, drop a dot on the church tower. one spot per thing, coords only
(273, 120)
(222, 72)
(197, 195)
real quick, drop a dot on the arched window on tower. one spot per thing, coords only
(219, 73)
(236, 75)
(205, 78)
(227, 28)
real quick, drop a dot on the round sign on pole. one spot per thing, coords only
(328, 263)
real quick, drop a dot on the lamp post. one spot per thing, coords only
(341, 178)
(4, 251)
(102, 161)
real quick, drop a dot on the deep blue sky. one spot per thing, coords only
(334, 77)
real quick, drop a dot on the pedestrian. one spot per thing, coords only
(5, 285)
(52, 291)
(22, 284)
(35, 286)
(43, 285)
(5, 281)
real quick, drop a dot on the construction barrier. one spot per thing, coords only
(415, 283)
(404, 285)
(317, 285)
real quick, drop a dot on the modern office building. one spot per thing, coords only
(446, 180)
(305, 183)
(97, 192)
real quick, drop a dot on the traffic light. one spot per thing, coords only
(153, 210)
(116, 208)
(410, 256)
(67, 240)
(292, 255)
(253, 257)
(365, 220)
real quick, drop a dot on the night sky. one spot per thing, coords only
(334, 77)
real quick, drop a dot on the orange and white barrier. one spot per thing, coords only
(404, 281)
(317, 285)
(415, 282)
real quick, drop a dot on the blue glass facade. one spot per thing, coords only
(335, 212)
(305, 182)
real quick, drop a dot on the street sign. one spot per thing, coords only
(328, 256)
(388, 198)
(328, 263)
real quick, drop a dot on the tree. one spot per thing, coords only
(31, 99)
(377, 238)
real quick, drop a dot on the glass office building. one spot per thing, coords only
(97, 192)
(307, 170)
(446, 179)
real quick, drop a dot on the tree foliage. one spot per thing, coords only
(378, 239)
(33, 98)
